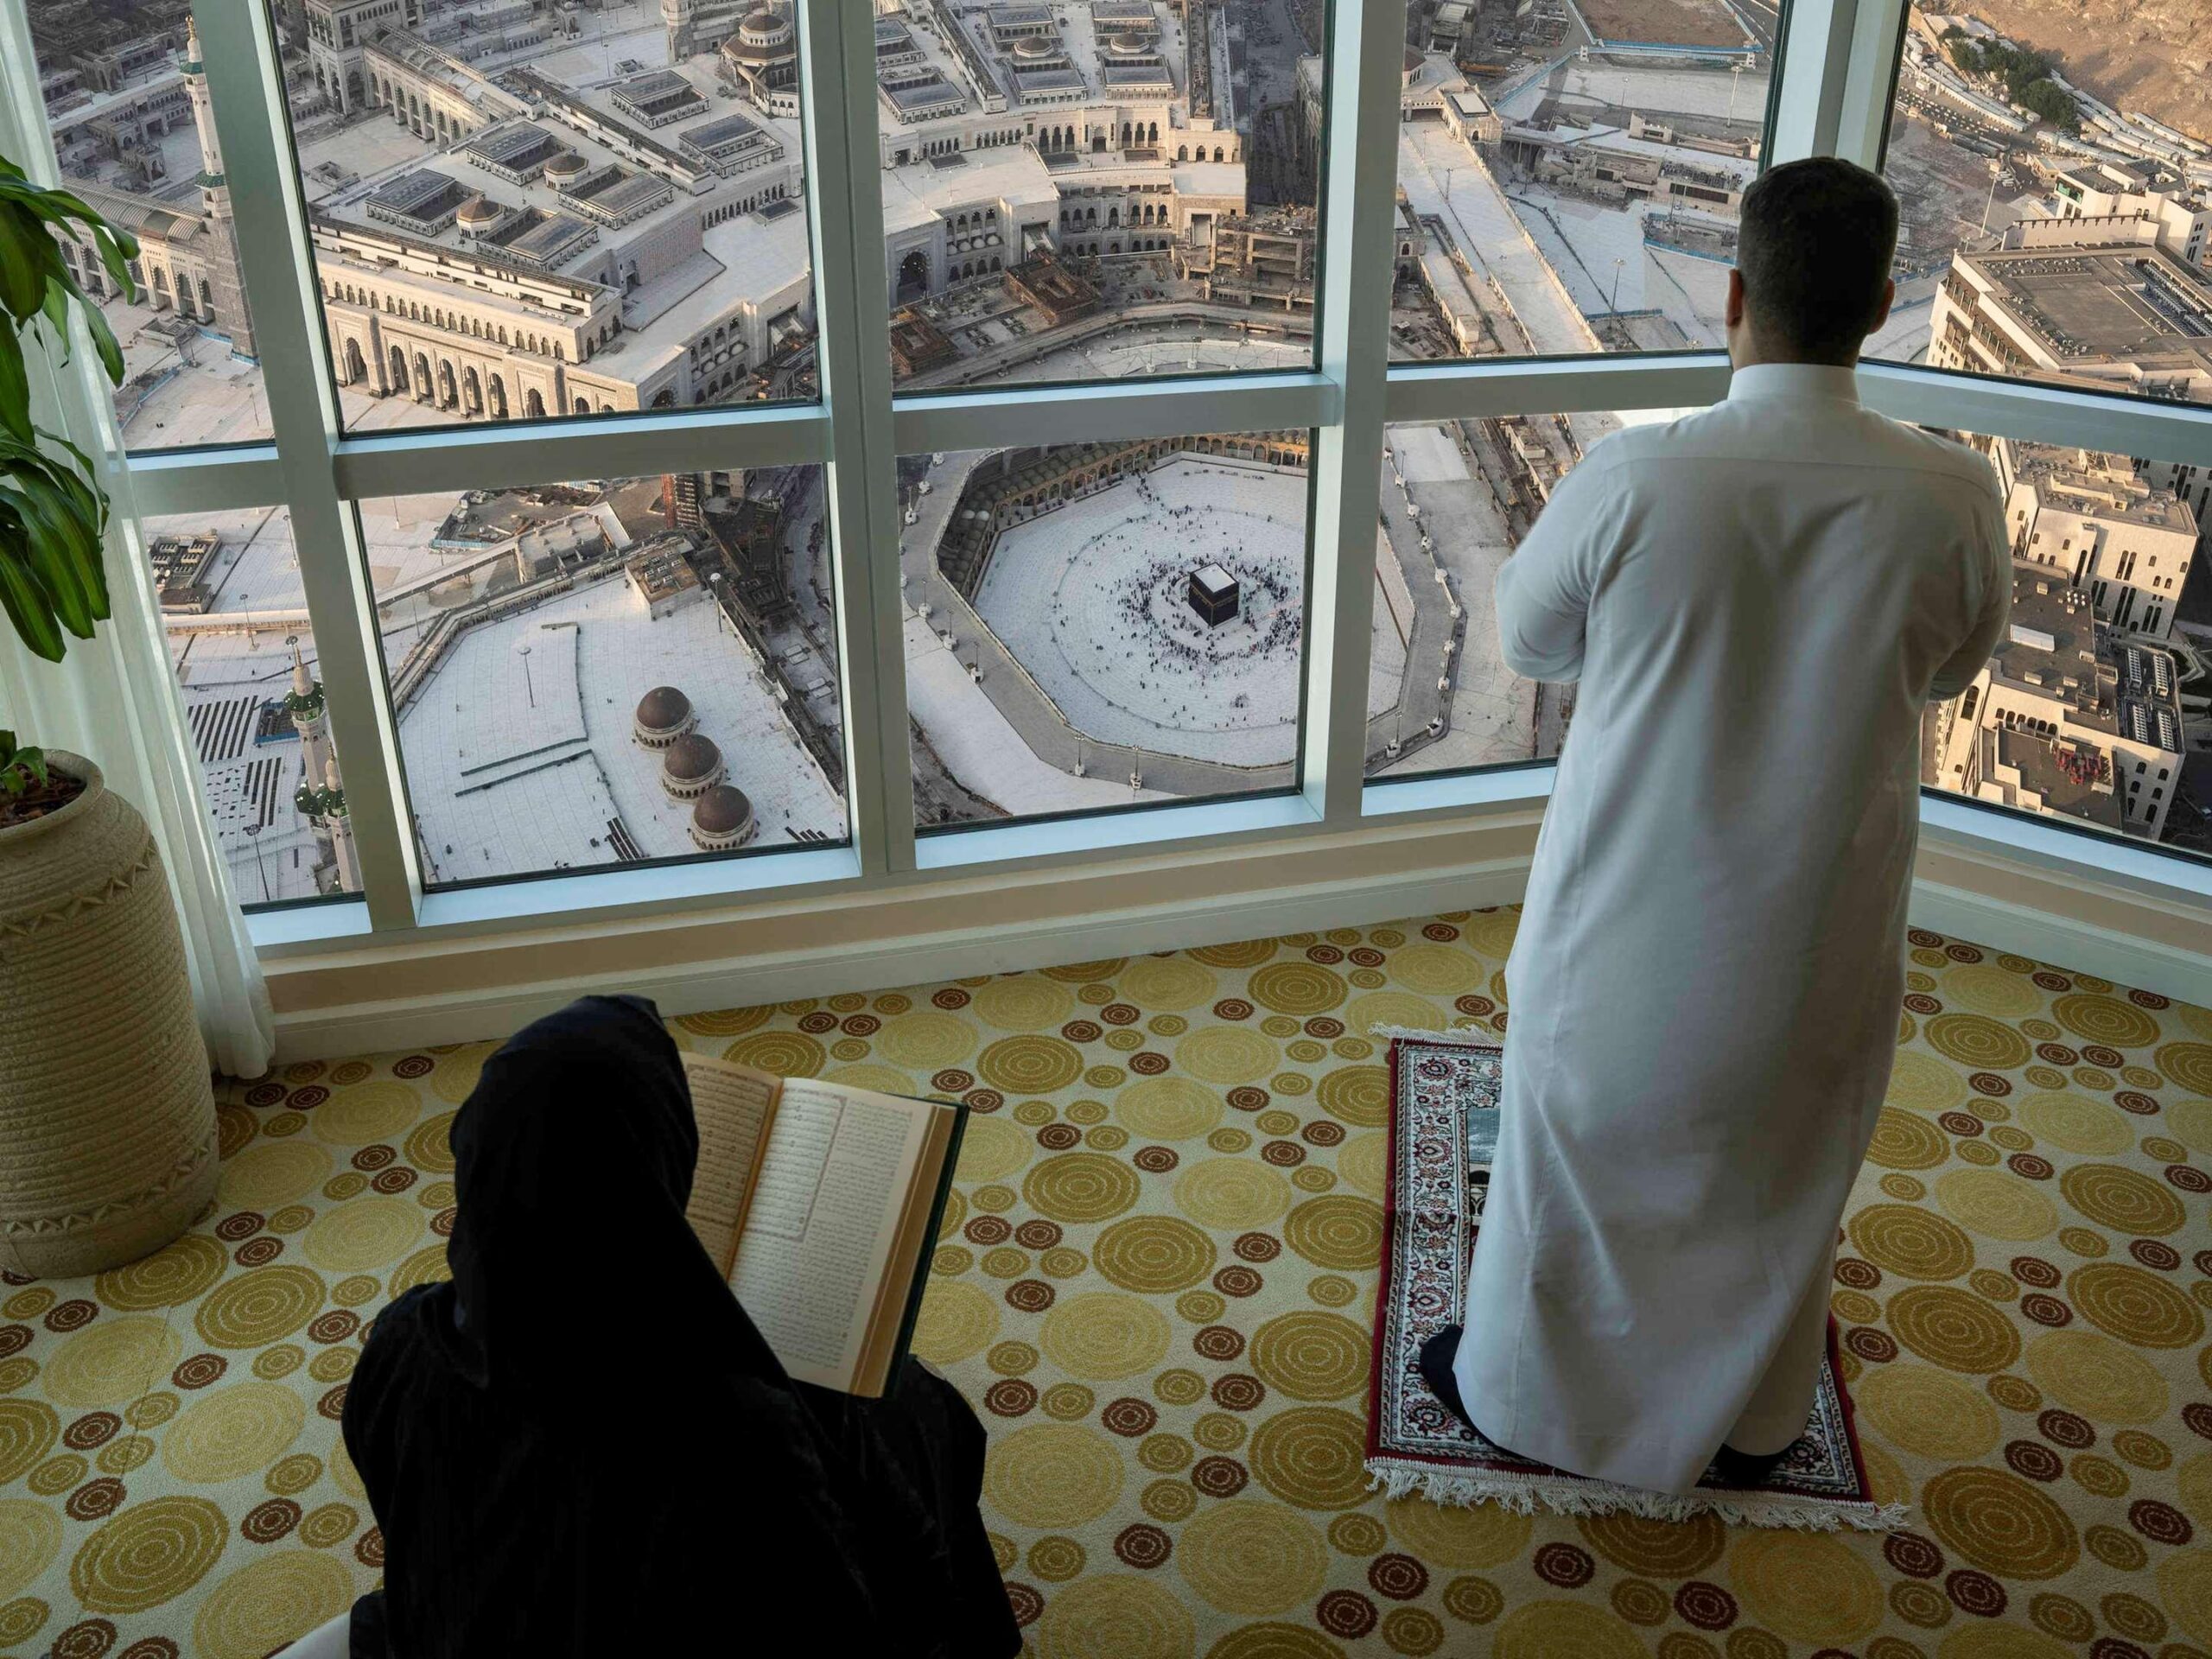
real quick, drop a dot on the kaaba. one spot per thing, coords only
(1213, 595)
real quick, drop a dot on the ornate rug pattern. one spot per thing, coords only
(1156, 1283)
(1445, 1094)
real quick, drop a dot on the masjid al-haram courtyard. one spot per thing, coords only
(1095, 606)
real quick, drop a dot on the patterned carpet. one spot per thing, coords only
(1155, 1283)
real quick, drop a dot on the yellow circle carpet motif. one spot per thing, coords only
(1155, 1280)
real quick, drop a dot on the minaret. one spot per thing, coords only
(340, 824)
(310, 718)
(676, 16)
(215, 192)
(226, 295)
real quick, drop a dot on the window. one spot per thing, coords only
(132, 123)
(1583, 201)
(1458, 497)
(614, 672)
(2053, 203)
(521, 212)
(233, 610)
(1104, 625)
(2087, 689)
(705, 449)
(1101, 190)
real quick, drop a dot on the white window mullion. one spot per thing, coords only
(1815, 56)
(1366, 67)
(1486, 388)
(248, 97)
(1112, 412)
(2038, 414)
(204, 480)
(1869, 72)
(845, 185)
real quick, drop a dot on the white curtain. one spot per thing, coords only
(114, 698)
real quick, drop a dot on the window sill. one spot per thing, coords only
(2094, 862)
(1063, 840)
(1425, 797)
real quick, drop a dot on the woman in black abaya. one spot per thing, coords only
(581, 1446)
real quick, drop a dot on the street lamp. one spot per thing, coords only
(1989, 206)
(1735, 79)
(252, 835)
(522, 650)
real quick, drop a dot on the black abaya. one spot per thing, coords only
(582, 1445)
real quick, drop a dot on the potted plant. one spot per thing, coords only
(107, 1116)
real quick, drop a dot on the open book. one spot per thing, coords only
(820, 1203)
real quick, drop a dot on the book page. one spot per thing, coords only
(825, 1208)
(733, 1106)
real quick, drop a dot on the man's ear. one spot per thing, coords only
(1733, 312)
(1882, 311)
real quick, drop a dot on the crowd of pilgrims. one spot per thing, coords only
(1153, 555)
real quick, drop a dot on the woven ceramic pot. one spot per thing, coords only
(107, 1114)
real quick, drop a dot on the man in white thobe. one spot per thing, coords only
(1760, 602)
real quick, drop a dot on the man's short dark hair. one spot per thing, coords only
(1815, 247)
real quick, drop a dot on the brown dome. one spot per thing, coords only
(691, 756)
(663, 709)
(479, 210)
(1032, 47)
(565, 165)
(722, 810)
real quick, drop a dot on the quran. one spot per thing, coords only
(818, 1203)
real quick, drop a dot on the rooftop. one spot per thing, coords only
(2131, 301)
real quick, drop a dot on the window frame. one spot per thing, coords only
(1833, 72)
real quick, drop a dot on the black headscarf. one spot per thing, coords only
(582, 1445)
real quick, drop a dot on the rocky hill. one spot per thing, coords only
(2152, 55)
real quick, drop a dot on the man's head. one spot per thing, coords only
(1812, 276)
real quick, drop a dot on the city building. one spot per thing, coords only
(2096, 302)
(2110, 196)
(1264, 260)
(2092, 520)
(188, 250)
(2069, 718)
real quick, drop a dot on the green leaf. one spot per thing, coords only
(33, 761)
(54, 543)
(15, 387)
(26, 605)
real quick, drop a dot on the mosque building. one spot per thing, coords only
(187, 258)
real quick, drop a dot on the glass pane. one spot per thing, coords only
(134, 135)
(1099, 625)
(1098, 188)
(2055, 221)
(1458, 496)
(237, 624)
(521, 212)
(1555, 198)
(2079, 715)
(619, 671)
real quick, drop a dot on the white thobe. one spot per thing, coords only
(1758, 601)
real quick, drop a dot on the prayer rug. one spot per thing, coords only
(1444, 1113)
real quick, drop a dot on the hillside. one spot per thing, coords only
(2152, 55)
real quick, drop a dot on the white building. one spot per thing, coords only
(2094, 521)
(2067, 718)
(2105, 191)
